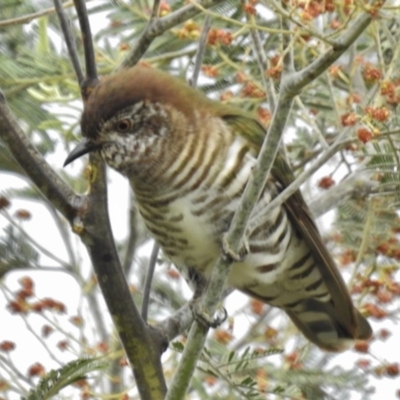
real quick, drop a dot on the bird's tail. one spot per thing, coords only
(319, 323)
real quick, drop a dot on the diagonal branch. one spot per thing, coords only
(295, 185)
(26, 19)
(142, 345)
(176, 323)
(157, 26)
(357, 186)
(296, 82)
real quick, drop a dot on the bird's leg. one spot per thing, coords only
(200, 314)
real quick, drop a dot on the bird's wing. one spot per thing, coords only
(300, 215)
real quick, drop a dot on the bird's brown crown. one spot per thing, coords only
(136, 84)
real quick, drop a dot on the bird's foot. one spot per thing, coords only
(201, 315)
(232, 255)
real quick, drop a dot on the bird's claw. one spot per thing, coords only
(230, 254)
(203, 318)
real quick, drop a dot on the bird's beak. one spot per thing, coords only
(82, 148)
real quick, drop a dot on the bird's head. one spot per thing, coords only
(135, 116)
(139, 119)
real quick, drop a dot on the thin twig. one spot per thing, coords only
(200, 51)
(114, 372)
(34, 243)
(268, 84)
(90, 62)
(280, 10)
(203, 8)
(366, 239)
(10, 368)
(295, 185)
(170, 55)
(149, 278)
(30, 17)
(7, 294)
(156, 9)
(287, 47)
(133, 238)
(98, 315)
(176, 323)
(252, 330)
(65, 24)
(157, 27)
(311, 121)
(332, 98)
(64, 233)
(355, 187)
(302, 78)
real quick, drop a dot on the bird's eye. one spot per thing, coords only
(123, 126)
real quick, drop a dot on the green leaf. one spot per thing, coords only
(58, 379)
(43, 46)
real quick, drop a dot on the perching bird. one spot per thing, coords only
(188, 159)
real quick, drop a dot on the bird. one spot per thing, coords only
(188, 159)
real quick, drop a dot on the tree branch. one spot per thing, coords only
(352, 188)
(143, 347)
(295, 185)
(200, 51)
(65, 24)
(90, 63)
(149, 278)
(157, 26)
(177, 323)
(30, 17)
(134, 236)
(297, 81)
(268, 83)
